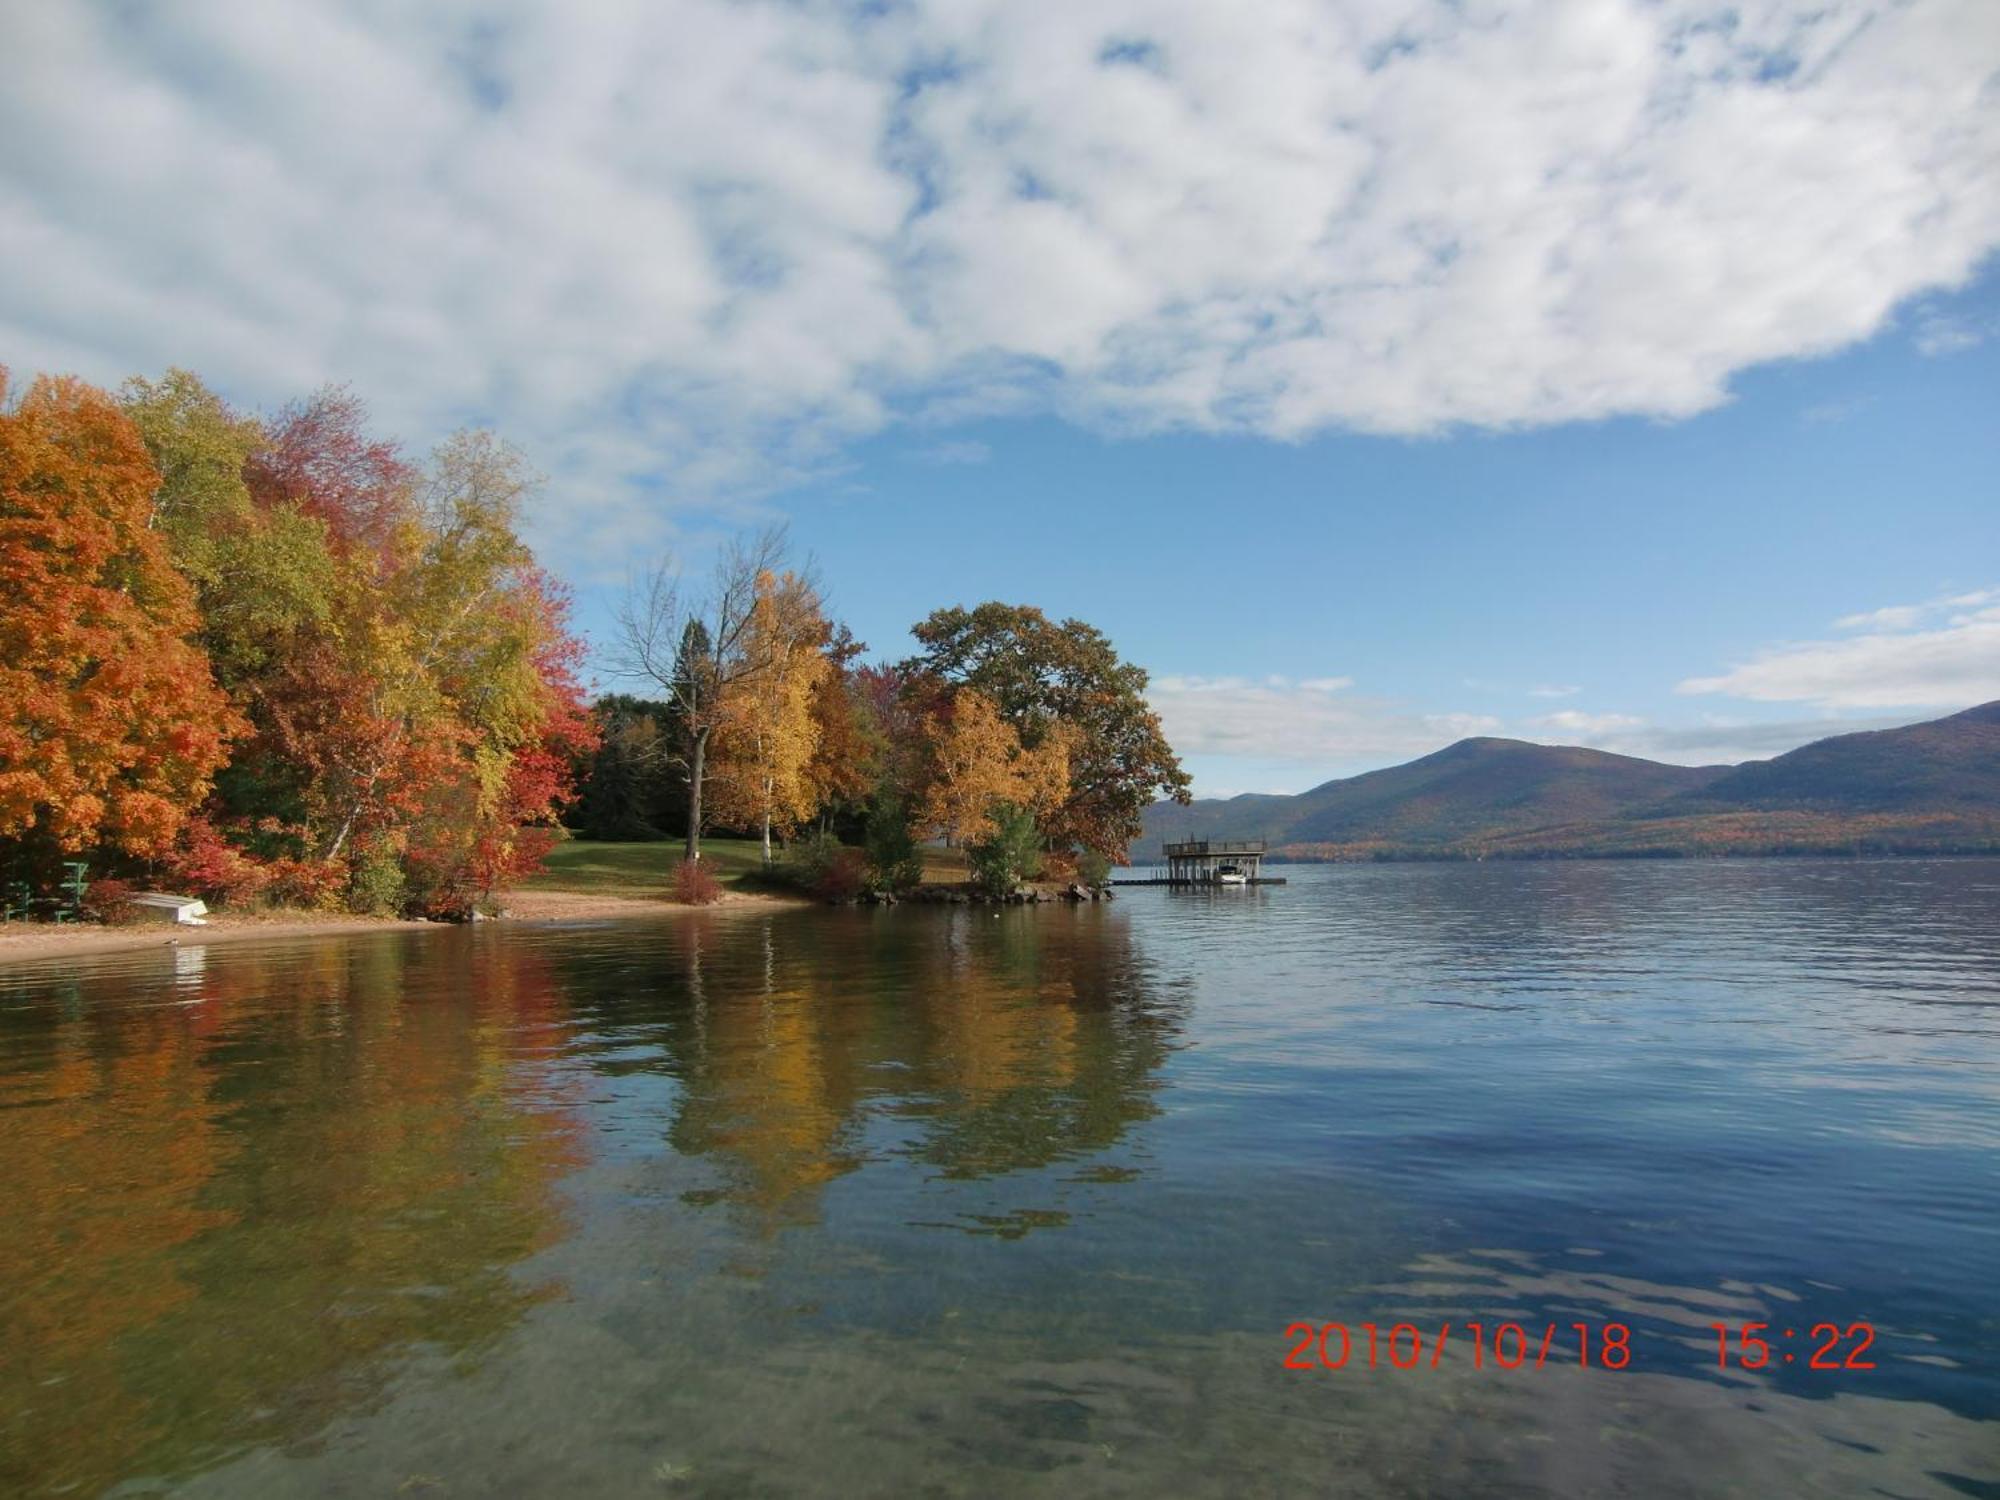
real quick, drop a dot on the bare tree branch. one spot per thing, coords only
(656, 623)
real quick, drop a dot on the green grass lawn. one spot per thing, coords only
(613, 869)
(945, 866)
(617, 869)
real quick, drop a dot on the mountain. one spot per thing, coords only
(1476, 788)
(1921, 788)
(1946, 764)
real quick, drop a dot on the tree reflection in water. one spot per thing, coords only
(227, 1211)
(806, 1049)
(245, 1187)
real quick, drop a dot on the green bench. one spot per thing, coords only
(19, 903)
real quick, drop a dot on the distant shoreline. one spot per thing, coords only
(1453, 857)
(1611, 857)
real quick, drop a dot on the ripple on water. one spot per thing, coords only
(926, 1201)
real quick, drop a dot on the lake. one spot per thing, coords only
(944, 1201)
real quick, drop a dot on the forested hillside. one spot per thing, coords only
(1932, 787)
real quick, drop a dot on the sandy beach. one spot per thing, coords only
(25, 942)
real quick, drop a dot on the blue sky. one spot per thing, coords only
(1616, 372)
(1581, 570)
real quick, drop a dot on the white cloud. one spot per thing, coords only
(1315, 721)
(1575, 721)
(1890, 617)
(1944, 654)
(1832, 413)
(683, 250)
(1939, 334)
(1554, 691)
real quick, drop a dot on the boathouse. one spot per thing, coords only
(1207, 861)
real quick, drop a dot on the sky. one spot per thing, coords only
(1608, 372)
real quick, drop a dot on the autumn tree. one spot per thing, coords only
(850, 758)
(473, 673)
(1040, 674)
(972, 765)
(1043, 773)
(767, 731)
(698, 651)
(264, 573)
(418, 724)
(402, 685)
(318, 456)
(283, 526)
(111, 723)
(529, 778)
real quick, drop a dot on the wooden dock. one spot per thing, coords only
(1162, 880)
(1204, 862)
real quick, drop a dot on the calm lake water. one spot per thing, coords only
(942, 1202)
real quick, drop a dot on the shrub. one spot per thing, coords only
(438, 849)
(449, 900)
(1092, 869)
(694, 885)
(894, 861)
(207, 865)
(805, 862)
(110, 902)
(844, 877)
(817, 865)
(376, 888)
(1011, 854)
(320, 884)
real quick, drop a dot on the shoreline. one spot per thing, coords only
(538, 905)
(30, 942)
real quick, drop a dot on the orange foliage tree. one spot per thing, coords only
(111, 724)
(850, 753)
(438, 718)
(406, 670)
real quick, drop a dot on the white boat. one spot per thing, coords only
(1230, 875)
(183, 911)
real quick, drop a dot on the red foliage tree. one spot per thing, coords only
(319, 457)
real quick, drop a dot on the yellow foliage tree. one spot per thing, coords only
(1044, 773)
(975, 761)
(767, 730)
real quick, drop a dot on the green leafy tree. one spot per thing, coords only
(1010, 854)
(623, 792)
(262, 573)
(894, 860)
